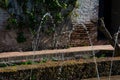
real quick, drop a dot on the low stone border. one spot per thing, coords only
(66, 70)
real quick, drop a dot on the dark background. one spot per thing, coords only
(110, 11)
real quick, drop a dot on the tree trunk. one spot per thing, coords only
(107, 34)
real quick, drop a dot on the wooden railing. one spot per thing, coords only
(73, 51)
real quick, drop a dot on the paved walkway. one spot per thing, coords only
(57, 51)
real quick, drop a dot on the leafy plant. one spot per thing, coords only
(28, 13)
(102, 56)
(21, 38)
(4, 3)
(54, 59)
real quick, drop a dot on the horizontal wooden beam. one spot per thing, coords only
(57, 51)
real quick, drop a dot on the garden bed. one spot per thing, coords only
(57, 70)
(106, 78)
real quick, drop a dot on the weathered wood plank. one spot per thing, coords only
(57, 51)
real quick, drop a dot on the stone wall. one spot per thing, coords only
(79, 37)
(85, 11)
(8, 37)
(3, 17)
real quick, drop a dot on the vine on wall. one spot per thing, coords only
(28, 13)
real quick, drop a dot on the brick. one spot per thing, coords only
(79, 36)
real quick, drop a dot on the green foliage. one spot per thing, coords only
(4, 3)
(33, 77)
(3, 65)
(44, 60)
(102, 56)
(21, 38)
(26, 63)
(54, 59)
(28, 13)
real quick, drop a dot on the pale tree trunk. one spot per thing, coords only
(107, 34)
